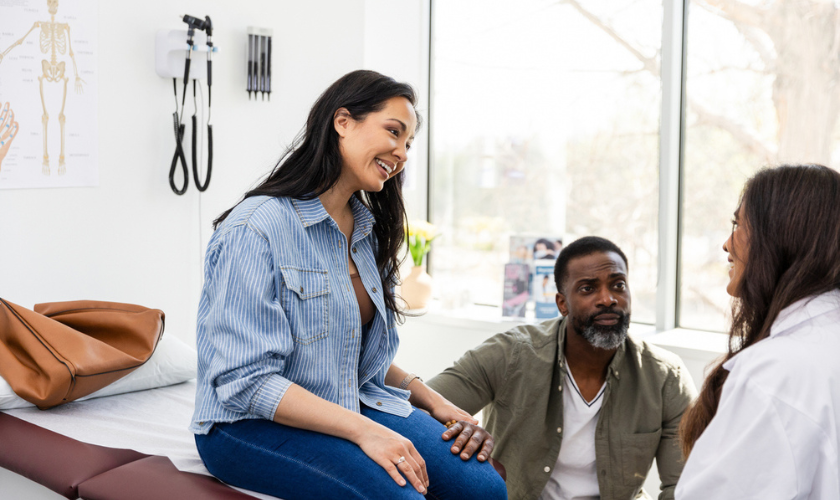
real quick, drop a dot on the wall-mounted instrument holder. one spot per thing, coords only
(259, 62)
(175, 53)
(171, 49)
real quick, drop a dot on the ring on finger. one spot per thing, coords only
(401, 460)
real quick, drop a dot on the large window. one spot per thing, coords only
(762, 88)
(544, 123)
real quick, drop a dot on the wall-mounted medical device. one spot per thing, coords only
(259, 62)
(188, 54)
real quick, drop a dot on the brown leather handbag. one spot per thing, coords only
(62, 351)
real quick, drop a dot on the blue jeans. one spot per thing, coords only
(291, 463)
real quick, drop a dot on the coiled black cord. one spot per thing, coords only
(179, 149)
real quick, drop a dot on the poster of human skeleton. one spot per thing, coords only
(48, 89)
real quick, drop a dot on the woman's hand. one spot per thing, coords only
(391, 451)
(444, 411)
(471, 437)
(395, 454)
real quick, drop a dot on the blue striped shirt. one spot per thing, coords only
(278, 308)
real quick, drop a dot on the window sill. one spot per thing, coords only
(467, 327)
(487, 318)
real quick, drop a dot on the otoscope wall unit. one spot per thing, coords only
(175, 53)
(171, 49)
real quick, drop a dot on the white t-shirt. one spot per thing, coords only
(574, 476)
(776, 433)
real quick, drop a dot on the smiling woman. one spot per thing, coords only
(298, 396)
(767, 422)
(376, 148)
(737, 248)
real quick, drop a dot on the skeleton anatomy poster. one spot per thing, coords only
(48, 73)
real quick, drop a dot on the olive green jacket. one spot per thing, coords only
(517, 378)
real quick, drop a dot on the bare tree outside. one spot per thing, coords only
(542, 125)
(761, 89)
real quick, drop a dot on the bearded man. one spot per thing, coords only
(577, 408)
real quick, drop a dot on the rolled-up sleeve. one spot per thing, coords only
(245, 327)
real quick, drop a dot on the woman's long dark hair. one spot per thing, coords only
(792, 221)
(312, 164)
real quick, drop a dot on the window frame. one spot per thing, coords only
(671, 155)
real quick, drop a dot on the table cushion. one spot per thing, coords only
(58, 462)
(155, 477)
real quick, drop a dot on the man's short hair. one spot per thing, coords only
(581, 248)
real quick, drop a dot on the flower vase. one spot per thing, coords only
(417, 288)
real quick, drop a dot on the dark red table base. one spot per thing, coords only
(72, 468)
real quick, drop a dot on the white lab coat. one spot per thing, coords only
(777, 429)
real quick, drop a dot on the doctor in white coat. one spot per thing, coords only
(767, 423)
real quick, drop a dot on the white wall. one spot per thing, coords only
(131, 239)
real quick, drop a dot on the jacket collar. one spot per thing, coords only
(804, 310)
(795, 314)
(561, 344)
(364, 219)
(312, 212)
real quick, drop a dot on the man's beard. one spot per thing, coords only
(607, 337)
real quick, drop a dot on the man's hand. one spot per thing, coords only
(471, 438)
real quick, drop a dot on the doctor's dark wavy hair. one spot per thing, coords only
(792, 222)
(312, 164)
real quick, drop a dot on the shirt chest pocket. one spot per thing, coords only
(305, 299)
(637, 453)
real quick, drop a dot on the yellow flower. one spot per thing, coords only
(419, 236)
(422, 229)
